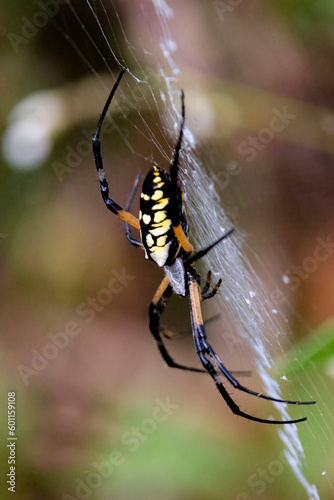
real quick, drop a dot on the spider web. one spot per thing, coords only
(241, 291)
(154, 84)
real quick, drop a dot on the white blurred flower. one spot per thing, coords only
(33, 123)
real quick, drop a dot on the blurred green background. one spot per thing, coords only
(99, 416)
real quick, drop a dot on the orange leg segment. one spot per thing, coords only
(182, 238)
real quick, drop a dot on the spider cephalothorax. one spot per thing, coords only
(164, 238)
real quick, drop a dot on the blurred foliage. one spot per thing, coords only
(310, 21)
(315, 353)
(59, 247)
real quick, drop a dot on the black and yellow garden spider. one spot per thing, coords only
(164, 238)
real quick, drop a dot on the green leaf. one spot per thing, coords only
(316, 351)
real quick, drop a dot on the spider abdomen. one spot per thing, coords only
(157, 212)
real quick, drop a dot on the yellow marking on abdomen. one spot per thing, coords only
(146, 218)
(149, 240)
(157, 195)
(160, 216)
(161, 204)
(161, 241)
(161, 228)
(160, 254)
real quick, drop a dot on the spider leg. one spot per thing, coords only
(128, 234)
(205, 293)
(157, 306)
(207, 283)
(204, 251)
(174, 168)
(205, 351)
(239, 373)
(182, 238)
(178, 230)
(213, 291)
(175, 162)
(233, 381)
(96, 143)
